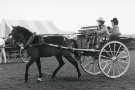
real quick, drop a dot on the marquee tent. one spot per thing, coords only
(40, 27)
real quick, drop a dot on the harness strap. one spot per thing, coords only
(30, 40)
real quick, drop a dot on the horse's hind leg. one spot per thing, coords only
(39, 69)
(27, 68)
(73, 62)
(61, 63)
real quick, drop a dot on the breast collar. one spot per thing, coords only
(30, 40)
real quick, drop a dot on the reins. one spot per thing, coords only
(31, 38)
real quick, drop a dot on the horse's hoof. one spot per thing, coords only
(79, 77)
(53, 79)
(39, 79)
(52, 76)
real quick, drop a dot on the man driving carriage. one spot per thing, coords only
(102, 29)
(100, 35)
(102, 32)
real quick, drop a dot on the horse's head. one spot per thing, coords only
(20, 34)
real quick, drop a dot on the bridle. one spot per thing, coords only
(28, 42)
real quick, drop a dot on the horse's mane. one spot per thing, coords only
(23, 30)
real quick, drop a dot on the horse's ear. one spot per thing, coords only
(13, 27)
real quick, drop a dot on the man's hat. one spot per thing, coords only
(100, 19)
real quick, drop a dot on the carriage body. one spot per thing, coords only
(91, 39)
(111, 57)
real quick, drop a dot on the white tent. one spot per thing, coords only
(40, 27)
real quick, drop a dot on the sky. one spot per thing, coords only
(70, 15)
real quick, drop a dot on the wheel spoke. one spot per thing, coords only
(90, 68)
(107, 52)
(106, 57)
(118, 68)
(106, 65)
(82, 59)
(106, 61)
(113, 69)
(109, 69)
(118, 50)
(94, 68)
(110, 50)
(114, 52)
(122, 61)
(124, 57)
(123, 52)
(86, 64)
(121, 66)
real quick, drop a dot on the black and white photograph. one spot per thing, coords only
(67, 45)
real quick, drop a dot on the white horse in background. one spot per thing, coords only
(2, 51)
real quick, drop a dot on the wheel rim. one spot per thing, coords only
(90, 65)
(114, 59)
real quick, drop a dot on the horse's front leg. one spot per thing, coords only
(39, 69)
(27, 68)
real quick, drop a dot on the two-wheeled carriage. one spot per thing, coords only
(100, 55)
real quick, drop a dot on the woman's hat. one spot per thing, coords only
(114, 20)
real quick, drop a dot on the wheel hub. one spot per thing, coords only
(114, 59)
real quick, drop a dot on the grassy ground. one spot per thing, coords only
(12, 78)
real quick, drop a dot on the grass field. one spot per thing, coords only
(12, 78)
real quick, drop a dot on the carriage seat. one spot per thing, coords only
(125, 36)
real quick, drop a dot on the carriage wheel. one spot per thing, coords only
(90, 65)
(114, 59)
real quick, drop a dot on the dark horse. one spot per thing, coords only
(37, 47)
